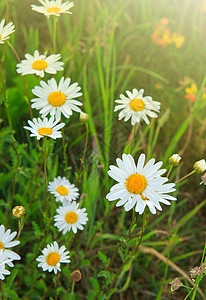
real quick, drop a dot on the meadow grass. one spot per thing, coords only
(106, 47)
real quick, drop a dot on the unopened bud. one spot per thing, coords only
(194, 272)
(200, 166)
(18, 211)
(76, 276)
(174, 160)
(83, 117)
(175, 284)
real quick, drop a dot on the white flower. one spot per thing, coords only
(46, 127)
(54, 7)
(63, 190)
(6, 242)
(38, 64)
(135, 106)
(174, 160)
(200, 166)
(139, 185)
(5, 31)
(70, 217)
(3, 260)
(56, 99)
(52, 257)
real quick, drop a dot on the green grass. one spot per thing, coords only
(106, 48)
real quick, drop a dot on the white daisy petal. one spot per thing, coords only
(6, 242)
(52, 257)
(70, 217)
(136, 107)
(39, 64)
(54, 7)
(5, 31)
(43, 128)
(63, 190)
(140, 185)
(56, 98)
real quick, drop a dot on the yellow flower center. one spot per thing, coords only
(45, 131)
(1, 246)
(39, 65)
(136, 183)
(137, 104)
(71, 217)
(56, 98)
(53, 9)
(62, 190)
(52, 258)
(0, 36)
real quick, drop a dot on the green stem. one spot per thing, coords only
(54, 33)
(133, 220)
(64, 150)
(84, 153)
(170, 169)
(185, 176)
(56, 286)
(134, 130)
(144, 223)
(45, 171)
(72, 291)
(25, 85)
(20, 227)
(188, 294)
(197, 282)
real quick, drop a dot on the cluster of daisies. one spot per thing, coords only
(138, 185)
(69, 217)
(54, 98)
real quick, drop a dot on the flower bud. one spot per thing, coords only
(194, 272)
(83, 117)
(18, 211)
(76, 276)
(200, 166)
(175, 284)
(174, 160)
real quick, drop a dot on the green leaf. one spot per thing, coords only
(103, 258)
(105, 274)
(10, 294)
(37, 231)
(95, 284)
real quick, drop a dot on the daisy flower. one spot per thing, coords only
(38, 64)
(46, 127)
(139, 185)
(56, 99)
(135, 106)
(63, 190)
(5, 31)
(70, 217)
(54, 7)
(3, 260)
(52, 257)
(6, 238)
